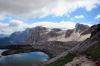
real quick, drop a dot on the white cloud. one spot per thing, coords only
(63, 25)
(4, 28)
(97, 17)
(79, 16)
(17, 25)
(35, 8)
(2, 17)
(14, 25)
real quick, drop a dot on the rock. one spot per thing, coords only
(69, 32)
(56, 29)
(81, 27)
(81, 61)
(95, 29)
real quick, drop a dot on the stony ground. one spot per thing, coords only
(81, 61)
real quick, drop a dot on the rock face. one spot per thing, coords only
(36, 35)
(75, 34)
(95, 29)
(81, 27)
(94, 38)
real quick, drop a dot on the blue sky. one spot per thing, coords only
(20, 14)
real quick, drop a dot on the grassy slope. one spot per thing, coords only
(94, 51)
(63, 61)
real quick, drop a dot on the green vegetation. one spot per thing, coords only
(94, 51)
(63, 61)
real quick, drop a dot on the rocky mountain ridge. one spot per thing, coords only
(42, 34)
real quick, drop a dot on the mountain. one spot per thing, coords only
(42, 34)
(81, 27)
(19, 37)
(85, 53)
(59, 35)
(72, 34)
(4, 40)
(2, 35)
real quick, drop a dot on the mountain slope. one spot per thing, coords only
(79, 49)
(42, 34)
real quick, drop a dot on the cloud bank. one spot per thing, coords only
(40, 8)
(17, 25)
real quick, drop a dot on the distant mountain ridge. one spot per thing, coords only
(3, 35)
(42, 34)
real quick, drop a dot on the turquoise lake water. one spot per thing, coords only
(24, 59)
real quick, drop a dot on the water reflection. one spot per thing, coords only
(23, 59)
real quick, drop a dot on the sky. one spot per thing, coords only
(17, 15)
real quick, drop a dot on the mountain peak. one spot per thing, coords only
(81, 27)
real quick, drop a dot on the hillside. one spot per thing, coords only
(90, 48)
